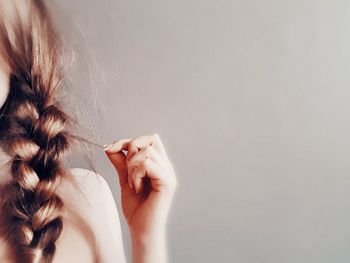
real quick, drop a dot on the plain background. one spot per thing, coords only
(251, 99)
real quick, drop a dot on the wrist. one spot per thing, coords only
(149, 235)
(149, 248)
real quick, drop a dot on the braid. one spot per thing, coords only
(33, 129)
(36, 138)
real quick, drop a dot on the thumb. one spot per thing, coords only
(118, 160)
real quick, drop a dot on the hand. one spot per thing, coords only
(147, 180)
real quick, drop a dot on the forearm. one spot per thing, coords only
(151, 248)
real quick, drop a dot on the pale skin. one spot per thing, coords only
(147, 185)
(145, 210)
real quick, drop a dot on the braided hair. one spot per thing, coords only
(33, 129)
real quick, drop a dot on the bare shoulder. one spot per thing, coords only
(94, 201)
(87, 192)
(85, 182)
(90, 181)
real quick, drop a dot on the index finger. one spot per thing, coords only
(118, 145)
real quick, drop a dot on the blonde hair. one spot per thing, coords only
(33, 128)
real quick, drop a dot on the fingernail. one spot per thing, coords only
(108, 146)
(130, 185)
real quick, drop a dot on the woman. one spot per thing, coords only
(50, 213)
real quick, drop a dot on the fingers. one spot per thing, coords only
(118, 159)
(145, 156)
(144, 141)
(118, 145)
(145, 153)
(147, 168)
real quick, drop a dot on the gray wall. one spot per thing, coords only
(251, 99)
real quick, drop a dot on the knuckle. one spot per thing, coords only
(146, 152)
(132, 144)
(148, 149)
(152, 151)
(156, 136)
